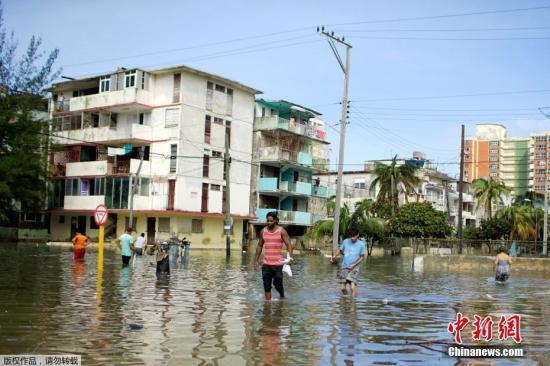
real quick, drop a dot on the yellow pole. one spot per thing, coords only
(99, 285)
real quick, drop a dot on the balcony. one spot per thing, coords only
(88, 168)
(130, 167)
(278, 155)
(286, 217)
(83, 202)
(276, 122)
(272, 185)
(126, 99)
(122, 132)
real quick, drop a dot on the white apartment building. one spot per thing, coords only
(435, 187)
(178, 118)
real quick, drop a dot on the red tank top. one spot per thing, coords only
(273, 245)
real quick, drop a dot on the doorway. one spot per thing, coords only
(171, 194)
(151, 226)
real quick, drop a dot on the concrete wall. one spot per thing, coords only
(459, 263)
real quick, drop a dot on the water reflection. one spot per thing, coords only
(210, 311)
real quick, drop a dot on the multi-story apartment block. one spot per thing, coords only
(289, 147)
(175, 120)
(540, 168)
(520, 162)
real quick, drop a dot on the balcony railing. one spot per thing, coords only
(126, 97)
(276, 122)
(272, 184)
(286, 217)
(60, 106)
(278, 154)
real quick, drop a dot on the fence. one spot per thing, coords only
(475, 247)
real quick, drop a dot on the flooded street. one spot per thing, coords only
(211, 312)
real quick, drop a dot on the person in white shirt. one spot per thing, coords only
(139, 244)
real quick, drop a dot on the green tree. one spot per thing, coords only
(493, 229)
(488, 192)
(420, 220)
(520, 219)
(529, 198)
(324, 228)
(392, 180)
(23, 131)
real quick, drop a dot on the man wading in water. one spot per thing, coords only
(273, 236)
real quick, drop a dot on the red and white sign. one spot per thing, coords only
(100, 215)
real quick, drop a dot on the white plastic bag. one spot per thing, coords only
(286, 266)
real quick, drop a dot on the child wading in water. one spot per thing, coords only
(353, 251)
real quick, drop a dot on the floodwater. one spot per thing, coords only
(211, 311)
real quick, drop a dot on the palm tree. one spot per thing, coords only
(392, 180)
(324, 228)
(530, 198)
(522, 221)
(487, 192)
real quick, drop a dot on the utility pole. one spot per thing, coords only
(332, 41)
(460, 189)
(134, 184)
(228, 221)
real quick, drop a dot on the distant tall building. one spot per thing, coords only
(520, 162)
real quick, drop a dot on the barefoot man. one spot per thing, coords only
(353, 251)
(272, 236)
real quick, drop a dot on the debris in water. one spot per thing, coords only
(135, 326)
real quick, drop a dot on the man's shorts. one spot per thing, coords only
(272, 274)
(78, 254)
(347, 276)
(138, 251)
(126, 260)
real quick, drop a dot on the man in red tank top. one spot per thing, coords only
(272, 237)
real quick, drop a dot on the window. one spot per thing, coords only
(493, 151)
(209, 94)
(99, 187)
(540, 147)
(84, 187)
(218, 121)
(540, 163)
(95, 119)
(164, 224)
(228, 132)
(104, 84)
(541, 171)
(216, 154)
(93, 225)
(141, 118)
(359, 183)
(130, 79)
(205, 166)
(540, 156)
(172, 116)
(173, 157)
(493, 174)
(196, 226)
(61, 219)
(71, 187)
(207, 129)
(142, 80)
(215, 187)
(229, 103)
(540, 138)
(76, 122)
(177, 87)
(204, 198)
(220, 88)
(143, 187)
(493, 143)
(113, 120)
(493, 158)
(493, 166)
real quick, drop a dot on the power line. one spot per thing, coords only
(455, 15)
(444, 30)
(453, 39)
(535, 91)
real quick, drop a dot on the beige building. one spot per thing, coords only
(177, 119)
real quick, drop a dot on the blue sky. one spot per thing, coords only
(397, 68)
